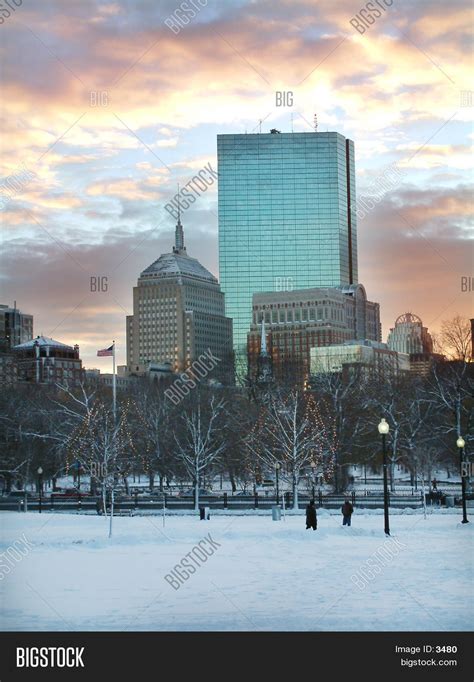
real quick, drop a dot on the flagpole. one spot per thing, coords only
(114, 385)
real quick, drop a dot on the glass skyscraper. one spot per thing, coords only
(284, 217)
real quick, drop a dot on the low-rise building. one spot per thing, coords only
(46, 361)
(369, 355)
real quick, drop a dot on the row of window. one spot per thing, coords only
(273, 184)
(311, 160)
(300, 315)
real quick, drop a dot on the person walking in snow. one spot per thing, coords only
(311, 520)
(347, 510)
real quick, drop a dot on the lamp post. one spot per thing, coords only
(78, 468)
(461, 443)
(313, 469)
(384, 428)
(40, 487)
(277, 471)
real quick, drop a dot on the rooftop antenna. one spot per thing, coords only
(315, 123)
(179, 234)
(259, 125)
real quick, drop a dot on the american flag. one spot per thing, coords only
(105, 352)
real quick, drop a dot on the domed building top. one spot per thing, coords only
(408, 318)
(178, 263)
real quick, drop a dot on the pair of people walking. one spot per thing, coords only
(312, 520)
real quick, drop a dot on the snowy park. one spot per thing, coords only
(237, 572)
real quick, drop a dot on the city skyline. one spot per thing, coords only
(99, 172)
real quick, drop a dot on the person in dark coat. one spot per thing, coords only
(311, 520)
(347, 510)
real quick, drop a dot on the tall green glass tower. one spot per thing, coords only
(284, 217)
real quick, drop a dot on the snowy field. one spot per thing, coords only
(264, 575)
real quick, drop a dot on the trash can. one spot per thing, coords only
(204, 514)
(450, 500)
(276, 513)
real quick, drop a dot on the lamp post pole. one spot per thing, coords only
(384, 428)
(461, 443)
(40, 487)
(78, 465)
(277, 471)
(313, 469)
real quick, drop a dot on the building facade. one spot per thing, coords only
(122, 381)
(367, 355)
(178, 315)
(46, 361)
(284, 217)
(411, 337)
(299, 320)
(15, 327)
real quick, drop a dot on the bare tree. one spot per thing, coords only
(456, 339)
(451, 387)
(387, 399)
(152, 414)
(291, 433)
(419, 432)
(198, 436)
(98, 440)
(341, 399)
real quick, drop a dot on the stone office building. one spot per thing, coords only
(178, 314)
(296, 321)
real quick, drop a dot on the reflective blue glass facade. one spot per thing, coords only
(284, 218)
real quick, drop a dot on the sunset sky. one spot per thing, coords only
(100, 176)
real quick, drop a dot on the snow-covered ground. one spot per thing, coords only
(264, 575)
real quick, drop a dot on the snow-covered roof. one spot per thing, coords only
(178, 264)
(43, 341)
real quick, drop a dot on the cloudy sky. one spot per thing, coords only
(105, 109)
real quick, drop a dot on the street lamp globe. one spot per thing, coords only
(277, 466)
(460, 442)
(383, 427)
(40, 470)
